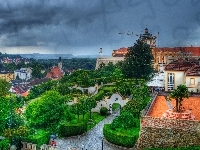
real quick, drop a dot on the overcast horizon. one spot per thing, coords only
(83, 27)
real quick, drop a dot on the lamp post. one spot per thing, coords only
(102, 143)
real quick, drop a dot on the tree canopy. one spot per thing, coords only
(4, 87)
(137, 63)
(179, 94)
(45, 111)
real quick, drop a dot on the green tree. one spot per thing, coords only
(137, 63)
(134, 107)
(45, 111)
(126, 120)
(4, 105)
(37, 67)
(76, 109)
(4, 87)
(179, 94)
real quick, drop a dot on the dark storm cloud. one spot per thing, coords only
(70, 25)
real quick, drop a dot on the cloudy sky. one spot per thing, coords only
(82, 27)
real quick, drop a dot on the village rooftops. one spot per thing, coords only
(179, 65)
(194, 71)
(193, 51)
(121, 52)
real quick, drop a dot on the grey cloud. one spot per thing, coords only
(62, 25)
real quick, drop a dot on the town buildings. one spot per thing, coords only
(8, 76)
(23, 74)
(161, 55)
(56, 72)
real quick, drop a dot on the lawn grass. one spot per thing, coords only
(115, 106)
(129, 132)
(96, 118)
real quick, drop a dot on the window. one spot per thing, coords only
(192, 81)
(170, 81)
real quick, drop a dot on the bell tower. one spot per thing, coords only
(60, 63)
(148, 38)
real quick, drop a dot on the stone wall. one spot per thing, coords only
(157, 132)
(161, 137)
(148, 121)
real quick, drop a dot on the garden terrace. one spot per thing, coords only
(159, 132)
(160, 106)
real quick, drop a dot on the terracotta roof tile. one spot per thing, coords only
(195, 51)
(55, 73)
(179, 65)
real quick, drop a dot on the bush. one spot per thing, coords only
(39, 137)
(103, 111)
(120, 138)
(4, 144)
(99, 96)
(67, 129)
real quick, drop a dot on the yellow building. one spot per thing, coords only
(8, 76)
(164, 55)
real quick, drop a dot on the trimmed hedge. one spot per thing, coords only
(118, 138)
(67, 129)
(4, 144)
(99, 96)
(41, 137)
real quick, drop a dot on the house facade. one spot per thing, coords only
(8, 76)
(182, 72)
(23, 74)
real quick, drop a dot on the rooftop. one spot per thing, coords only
(194, 51)
(179, 65)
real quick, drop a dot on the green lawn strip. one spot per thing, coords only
(115, 106)
(96, 118)
(30, 101)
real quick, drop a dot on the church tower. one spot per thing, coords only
(148, 38)
(60, 63)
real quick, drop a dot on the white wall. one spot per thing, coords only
(23, 73)
(178, 78)
(195, 86)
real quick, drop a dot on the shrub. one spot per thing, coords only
(39, 137)
(4, 144)
(119, 138)
(99, 96)
(67, 129)
(103, 111)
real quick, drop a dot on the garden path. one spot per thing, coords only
(92, 140)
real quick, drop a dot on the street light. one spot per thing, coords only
(102, 143)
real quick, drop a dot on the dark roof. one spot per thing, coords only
(38, 81)
(179, 65)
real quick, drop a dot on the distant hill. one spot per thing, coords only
(10, 55)
(46, 56)
(89, 56)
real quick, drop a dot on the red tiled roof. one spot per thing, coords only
(55, 73)
(179, 65)
(120, 52)
(195, 51)
(194, 71)
(25, 94)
